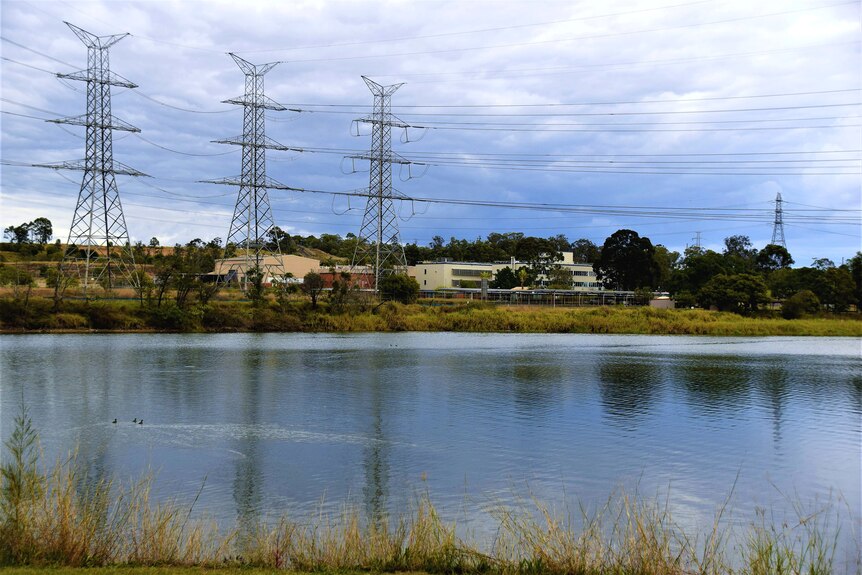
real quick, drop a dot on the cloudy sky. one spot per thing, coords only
(669, 117)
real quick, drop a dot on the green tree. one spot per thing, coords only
(505, 279)
(584, 251)
(559, 278)
(399, 287)
(666, 262)
(18, 234)
(342, 292)
(773, 257)
(737, 292)
(855, 267)
(627, 261)
(739, 255)
(835, 288)
(801, 303)
(41, 230)
(695, 269)
(312, 284)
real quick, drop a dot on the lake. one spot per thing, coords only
(263, 424)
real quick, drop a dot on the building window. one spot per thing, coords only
(467, 273)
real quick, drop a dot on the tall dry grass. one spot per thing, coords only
(57, 518)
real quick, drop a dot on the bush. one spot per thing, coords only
(799, 304)
(400, 288)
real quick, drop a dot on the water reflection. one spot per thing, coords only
(628, 387)
(248, 478)
(375, 460)
(773, 387)
(714, 385)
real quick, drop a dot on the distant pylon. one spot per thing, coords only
(778, 226)
(98, 247)
(252, 216)
(378, 244)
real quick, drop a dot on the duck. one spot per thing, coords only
(115, 420)
(141, 422)
(135, 420)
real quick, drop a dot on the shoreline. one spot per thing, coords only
(116, 317)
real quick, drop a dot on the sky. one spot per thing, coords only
(677, 119)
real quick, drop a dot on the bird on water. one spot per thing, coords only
(135, 420)
(115, 420)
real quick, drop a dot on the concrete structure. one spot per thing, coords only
(234, 269)
(448, 274)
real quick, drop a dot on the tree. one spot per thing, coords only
(666, 262)
(855, 267)
(801, 303)
(41, 230)
(559, 278)
(584, 251)
(278, 239)
(399, 287)
(154, 242)
(505, 279)
(737, 292)
(312, 284)
(342, 289)
(823, 264)
(696, 268)
(835, 288)
(18, 234)
(627, 261)
(739, 255)
(773, 257)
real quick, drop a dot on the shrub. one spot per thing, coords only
(801, 303)
(400, 288)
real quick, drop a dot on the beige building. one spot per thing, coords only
(234, 269)
(446, 274)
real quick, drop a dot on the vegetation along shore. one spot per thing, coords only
(56, 517)
(751, 292)
(39, 315)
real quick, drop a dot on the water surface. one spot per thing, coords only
(293, 422)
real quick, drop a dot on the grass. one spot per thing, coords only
(56, 519)
(38, 314)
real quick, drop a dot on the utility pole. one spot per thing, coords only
(252, 215)
(378, 244)
(98, 248)
(778, 225)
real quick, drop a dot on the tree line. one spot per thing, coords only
(739, 278)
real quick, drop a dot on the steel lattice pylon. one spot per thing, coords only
(252, 216)
(378, 244)
(778, 226)
(98, 247)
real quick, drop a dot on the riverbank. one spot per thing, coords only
(50, 524)
(38, 315)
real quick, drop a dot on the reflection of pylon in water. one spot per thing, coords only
(98, 249)
(378, 244)
(252, 220)
(778, 226)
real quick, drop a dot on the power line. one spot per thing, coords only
(480, 30)
(573, 39)
(482, 75)
(22, 46)
(602, 103)
(573, 114)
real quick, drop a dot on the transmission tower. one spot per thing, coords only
(98, 249)
(252, 216)
(378, 244)
(778, 226)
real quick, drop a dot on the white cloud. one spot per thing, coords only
(642, 53)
